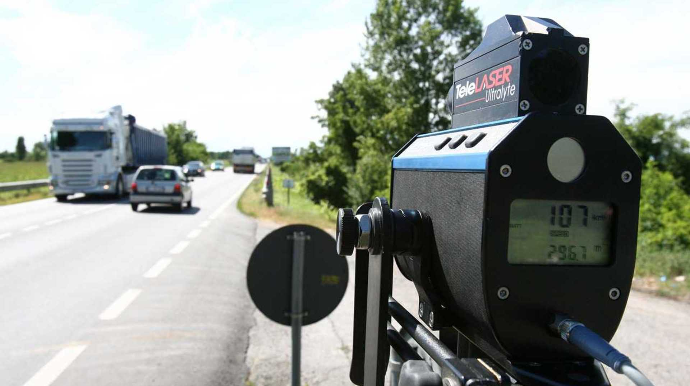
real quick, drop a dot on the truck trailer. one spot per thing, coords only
(99, 153)
(243, 160)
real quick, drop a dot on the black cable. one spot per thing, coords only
(588, 341)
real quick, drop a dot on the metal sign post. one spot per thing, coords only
(298, 241)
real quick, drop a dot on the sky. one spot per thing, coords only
(247, 73)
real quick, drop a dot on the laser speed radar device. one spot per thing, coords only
(518, 227)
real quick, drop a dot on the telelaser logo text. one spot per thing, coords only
(489, 83)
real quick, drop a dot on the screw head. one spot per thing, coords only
(626, 176)
(503, 293)
(524, 105)
(614, 293)
(431, 319)
(506, 171)
(421, 309)
(580, 108)
(527, 44)
(583, 49)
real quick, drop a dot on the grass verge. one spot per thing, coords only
(17, 196)
(23, 171)
(664, 273)
(301, 209)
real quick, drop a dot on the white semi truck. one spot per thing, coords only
(99, 153)
(243, 160)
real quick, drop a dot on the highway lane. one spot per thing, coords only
(111, 296)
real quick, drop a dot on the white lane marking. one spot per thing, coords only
(119, 305)
(5, 235)
(52, 370)
(157, 268)
(234, 197)
(179, 247)
(30, 228)
(53, 222)
(193, 234)
(71, 217)
(92, 211)
(204, 224)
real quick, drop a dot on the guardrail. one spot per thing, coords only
(20, 185)
(267, 191)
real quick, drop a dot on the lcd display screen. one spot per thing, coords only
(552, 232)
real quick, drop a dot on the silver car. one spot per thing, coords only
(161, 185)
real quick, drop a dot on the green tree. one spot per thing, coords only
(183, 145)
(38, 153)
(397, 91)
(655, 137)
(20, 149)
(664, 210)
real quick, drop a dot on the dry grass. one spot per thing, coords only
(300, 211)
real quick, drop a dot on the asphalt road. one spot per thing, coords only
(96, 294)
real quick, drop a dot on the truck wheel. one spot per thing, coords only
(134, 207)
(61, 197)
(119, 188)
(178, 207)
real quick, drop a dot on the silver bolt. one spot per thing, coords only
(503, 293)
(614, 293)
(580, 108)
(583, 49)
(421, 309)
(527, 44)
(524, 105)
(506, 170)
(431, 319)
(626, 176)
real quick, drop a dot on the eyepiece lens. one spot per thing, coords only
(554, 76)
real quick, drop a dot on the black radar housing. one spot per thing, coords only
(524, 64)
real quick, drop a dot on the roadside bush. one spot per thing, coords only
(658, 262)
(664, 211)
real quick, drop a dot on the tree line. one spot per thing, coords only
(37, 153)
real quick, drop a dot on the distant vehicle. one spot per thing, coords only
(99, 153)
(161, 185)
(243, 160)
(280, 155)
(194, 168)
(218, 165)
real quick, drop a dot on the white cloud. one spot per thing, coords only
(233, 84)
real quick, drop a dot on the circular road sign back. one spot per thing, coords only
(269, 275)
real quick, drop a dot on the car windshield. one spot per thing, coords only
(80, 140)
(195, 164)
(157, 175)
